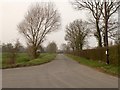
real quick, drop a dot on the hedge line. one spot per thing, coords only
(99, 54)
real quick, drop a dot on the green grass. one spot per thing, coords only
(101, 66)
(23, 60)
(42, 59)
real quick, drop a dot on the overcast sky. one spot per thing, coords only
(13, 12)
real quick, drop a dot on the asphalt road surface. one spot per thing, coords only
(60, 73)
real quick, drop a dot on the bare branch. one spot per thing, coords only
(40, 20)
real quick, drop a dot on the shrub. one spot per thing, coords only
(99, 54)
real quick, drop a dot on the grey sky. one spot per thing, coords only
(13, 12)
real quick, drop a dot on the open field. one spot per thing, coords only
(23, 59)
(101, 66)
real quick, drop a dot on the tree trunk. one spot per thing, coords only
(81, 46)
(99, 34)
(33, 52)
(73, 49)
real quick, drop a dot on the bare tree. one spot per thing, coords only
(106, 8)
(110, 7)
(40, 20)
(112, 28)
(95, 7)
(76, 33)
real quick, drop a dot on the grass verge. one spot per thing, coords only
(101, 66)
(23, 60)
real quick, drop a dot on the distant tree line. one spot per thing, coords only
(19, 48)
(9, 47)
(12, 50)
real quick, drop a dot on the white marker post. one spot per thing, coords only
(106, 52)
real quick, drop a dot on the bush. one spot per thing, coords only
(99, 54)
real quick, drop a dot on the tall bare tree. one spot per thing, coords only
(112, 28)
(40, 20)
(95, 7)
(110, 7)
(106, 8)
(76, 33)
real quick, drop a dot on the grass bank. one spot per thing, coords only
(101, 66)
(23, 60)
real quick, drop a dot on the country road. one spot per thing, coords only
(60, 73)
